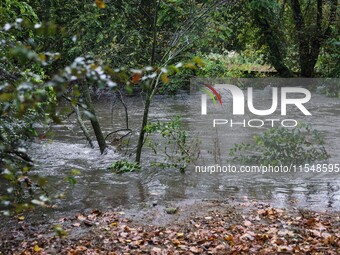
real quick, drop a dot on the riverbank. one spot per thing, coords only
(188, 227)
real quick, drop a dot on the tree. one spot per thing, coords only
(307, 24)
(312, 32)
(266, 18)
(28, 96)
(193, 17)
(93, 118)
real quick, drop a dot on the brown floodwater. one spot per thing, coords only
(99, 188)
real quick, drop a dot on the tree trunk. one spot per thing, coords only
(305, 61)
(311, 40)
(142, 130)
(94, 121)
(150, 92)
(308, 57)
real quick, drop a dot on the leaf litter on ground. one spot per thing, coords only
(211, 228)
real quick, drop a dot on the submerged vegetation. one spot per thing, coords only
(178, 149)
(124, 166)
(282, 146)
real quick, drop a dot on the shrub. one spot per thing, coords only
(282, 146)
(177, 148)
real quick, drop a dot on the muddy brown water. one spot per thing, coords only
(99, 188)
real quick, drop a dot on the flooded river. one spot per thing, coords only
(99, 188)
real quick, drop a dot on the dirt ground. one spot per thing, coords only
(187, 227)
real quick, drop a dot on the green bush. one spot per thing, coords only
(176, 147)
(282, 146)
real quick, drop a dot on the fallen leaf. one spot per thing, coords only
(156, 250)
(284, 249)
(180, 234)
(315, 233)
(80, 249)
(77, 224)
(272, 231)
(247, 223)
(124, 234)
(330, 240)
(230, 239)
(176, 242)
(81, 217)
(310, 222)
(195, 249)
(319, 226)
(285, 232)
(248, 235)
(37, 248)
